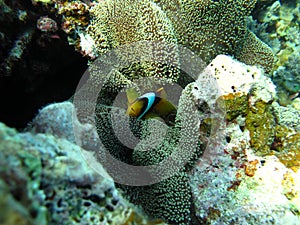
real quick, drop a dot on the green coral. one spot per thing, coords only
(118, 23)
(286, 147)
(235, 106)
(209, 28)
(259, 120)
(253, 51)
(12, 212)
(20, 176)
(274, 130)
(261, 124)
(171, 198)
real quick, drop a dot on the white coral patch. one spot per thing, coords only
(267, 192)
(233, 77)
(87, 45)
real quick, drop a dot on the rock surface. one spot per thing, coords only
(44, 180)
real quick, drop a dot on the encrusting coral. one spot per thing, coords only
(35, 167)
(240, 180)
(43, 179)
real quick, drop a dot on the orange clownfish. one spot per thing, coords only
(150, 105)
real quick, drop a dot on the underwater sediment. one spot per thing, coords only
(241, 139)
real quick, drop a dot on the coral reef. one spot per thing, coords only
(286, 142)
(12, 52)
(200, 26)
(118, 23)
(245, 93)
(287, 116)
(12, 211)
(75, 16)
(56, 119)
(248, 99)
(45, 181)
(231, 184)
(261, 124)
(281, 22)
(278, 25)
(273, 129)
(46, 24)
(169, 199)
(238, 167)
(226, 194)
(287, 76)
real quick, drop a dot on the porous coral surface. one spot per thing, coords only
(45, 181)
(251, 175)
(209, 28)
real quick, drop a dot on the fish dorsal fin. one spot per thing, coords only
(161, 93)
(164, 106)
(132, 95)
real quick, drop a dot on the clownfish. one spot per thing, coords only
(150, 105)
